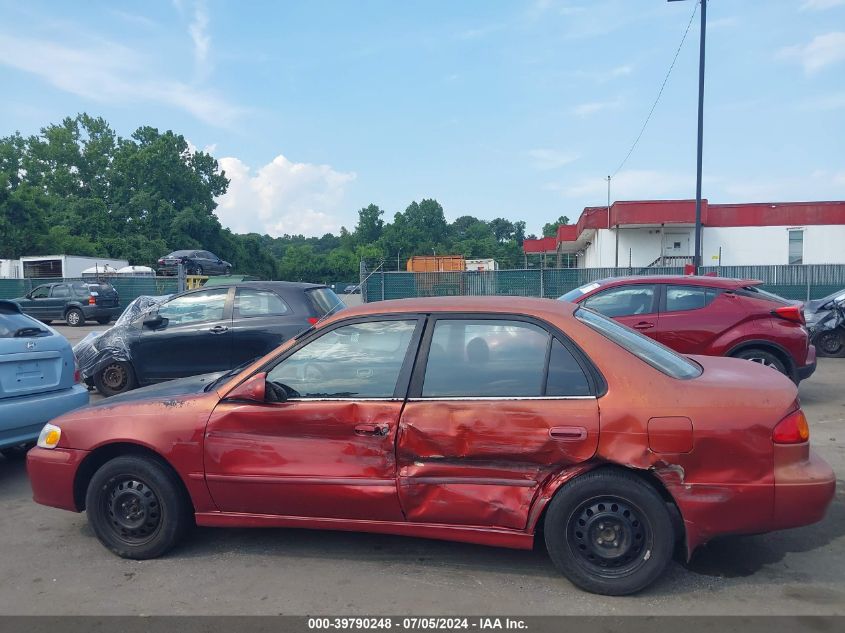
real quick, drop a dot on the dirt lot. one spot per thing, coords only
(52, 563)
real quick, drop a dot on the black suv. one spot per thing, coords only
(73, 302)
(201, 331)
(195, 263)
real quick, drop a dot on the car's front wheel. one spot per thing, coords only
(116, 377)
(609, 532)
(137, 507)
(75, 318)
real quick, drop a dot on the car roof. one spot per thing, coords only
(685, 280)
(503, 305)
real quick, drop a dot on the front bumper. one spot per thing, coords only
(52, 473)
(810, 364)
(23, 417)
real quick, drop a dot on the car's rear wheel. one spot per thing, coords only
(831, 343)
(763, 357)
(137, 507)
(198, 270)
(75, 318)
(116, 377)
(609, 532)
(104, 320)
(227, 271)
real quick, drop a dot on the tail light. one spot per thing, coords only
(77, 377)
(793, 429)
(161, 262)
(313, 320)
(92, 301)
(790, 313)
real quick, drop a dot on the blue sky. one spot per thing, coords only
(495, 108)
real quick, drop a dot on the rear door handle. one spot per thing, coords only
(218, 329)
(372, 429)
(644, 325)
(568, 433)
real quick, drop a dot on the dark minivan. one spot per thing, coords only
(73, 302)
(202, 331)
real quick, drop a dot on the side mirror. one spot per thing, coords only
(251, 390)
(154, 321)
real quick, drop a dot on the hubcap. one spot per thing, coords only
(763, 361)
(73, 318)
(133, 510)
(608, 536)
(114, 377)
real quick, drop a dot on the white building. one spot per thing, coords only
(662, 233)
(67, 266)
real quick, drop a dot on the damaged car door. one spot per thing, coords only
(497, 407)
(324, 446)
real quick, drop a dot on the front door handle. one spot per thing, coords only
(372, 429)
(644, 325)
(218, 329)
(568, 433)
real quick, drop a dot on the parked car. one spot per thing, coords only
(826, 323)
(201, 331)
(38, 379)
(708, 315)
(195, 263)
(74, 302)
(462, 418)
(352, 289)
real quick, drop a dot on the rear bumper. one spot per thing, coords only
(101, 312)
(23, 417)
(52, 473)
(810, 364)
(804, 486)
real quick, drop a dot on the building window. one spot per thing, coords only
(796, 246)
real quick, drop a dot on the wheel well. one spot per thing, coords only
(785, 358)
(103, 454)
(69, 308)
(652, 480)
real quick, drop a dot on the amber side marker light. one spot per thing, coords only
(793, 429)
(50, 436)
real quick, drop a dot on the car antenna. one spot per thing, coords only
(358, 287)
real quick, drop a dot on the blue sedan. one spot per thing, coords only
(38, 378)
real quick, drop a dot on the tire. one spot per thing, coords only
(632, 547)
(104, 320)
(763, 357)
(75, 318)
(116, 377)
(198, 271)
(137, 507)
(227, 270)
(831, 343)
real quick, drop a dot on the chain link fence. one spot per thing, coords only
(805, 282)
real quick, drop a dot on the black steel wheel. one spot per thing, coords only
(116, 377)
(609, 532)
(137, 507)
(831, 343)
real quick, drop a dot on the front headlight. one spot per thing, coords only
(49, 437)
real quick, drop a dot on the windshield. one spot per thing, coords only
(575, 293)
(658, 356)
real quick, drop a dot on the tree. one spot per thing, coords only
(550, 229)
(370, 225)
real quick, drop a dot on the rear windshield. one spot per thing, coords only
(658, 356)
(325, 301)
(19, 326)
(180, 254)
(756, 291)
(99, 288)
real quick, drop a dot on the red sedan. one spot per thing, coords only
(471, 419)
(714, 316)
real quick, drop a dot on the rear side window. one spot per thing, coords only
(81, 290)
(325, 301)
(566, 378)
(256, 303)
(623, 300)
(681, 298)
(62, 291)
(658, 356)
(485, 358)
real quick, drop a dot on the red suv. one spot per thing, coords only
(708, 315)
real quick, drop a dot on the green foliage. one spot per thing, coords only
(550, 229)
(80, 189)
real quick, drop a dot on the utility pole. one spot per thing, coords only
(697, 259)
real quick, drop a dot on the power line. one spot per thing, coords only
(659, 93)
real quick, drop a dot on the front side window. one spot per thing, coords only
(42, 292)
(255, 303)
(658, 356)
(485, 358)
(796, 246)
(361, 360)
(196, 307)
(623, 300)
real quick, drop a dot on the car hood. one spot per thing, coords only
(163, 391)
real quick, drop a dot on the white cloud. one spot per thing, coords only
(633, 184)
(823, 50)
(820, 5)
(198, 30)
(545, 159)
(282, 197)
(107, 72)
(586, 109)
